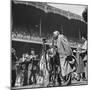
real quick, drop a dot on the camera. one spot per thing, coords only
(44, 40)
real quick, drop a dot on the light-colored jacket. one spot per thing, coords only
(64, 50)
(63, 46)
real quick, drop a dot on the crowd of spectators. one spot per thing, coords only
(34, 36)
(25, 35)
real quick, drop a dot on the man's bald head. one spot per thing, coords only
(55, 34)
